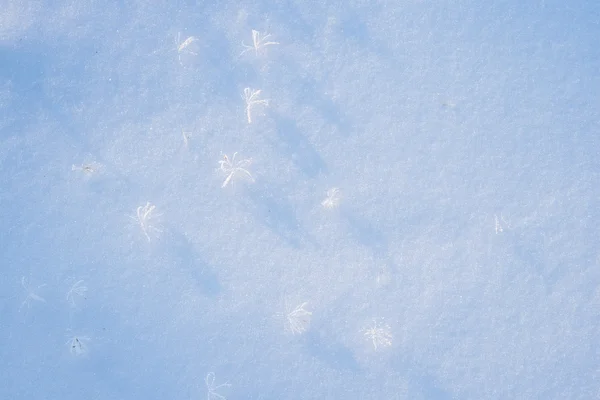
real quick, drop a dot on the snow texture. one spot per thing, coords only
(412, 211)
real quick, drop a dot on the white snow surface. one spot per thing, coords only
(412, 212)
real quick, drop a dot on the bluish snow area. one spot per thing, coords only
(299, 200)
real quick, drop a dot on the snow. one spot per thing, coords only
(412, 212)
